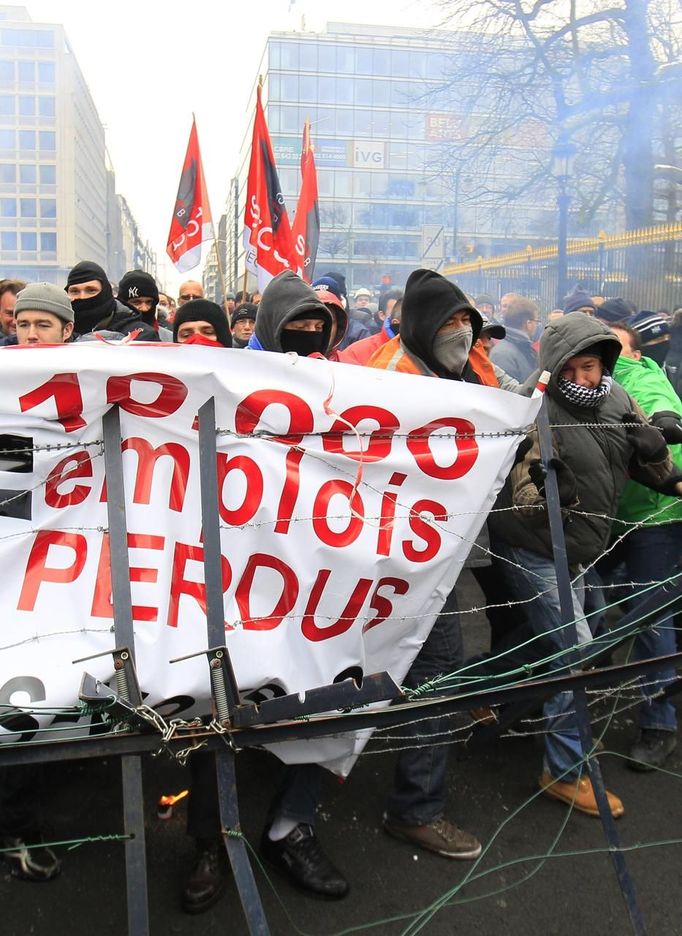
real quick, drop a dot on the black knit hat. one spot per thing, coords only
(247, 310)
(614, 310)
(578, 299)
(136, 284)
(85, 271)
(202, 310)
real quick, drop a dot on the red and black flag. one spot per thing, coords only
(306, 231)
(191, 224)
(267, 233)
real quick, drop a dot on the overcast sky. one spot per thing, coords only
(150, 63)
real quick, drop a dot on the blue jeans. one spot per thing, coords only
(651, 555)
(536, 579)
(418, 795)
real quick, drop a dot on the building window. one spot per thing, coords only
(8, 172)
(27, 72)
(8, 240)
(8, 207)
(27, 105)
(48, 141)
(7, 72)
(27, 174)
(27, 139)
(7, 105)
(28, 207)
(48, 242)
(46, 72)
(275, 54)
(28, 38)
(289, 54)
(48, 207)
(289, 88)
(48, 175)
(46, 106)
(7, 140)
(29, 240)
(308, 55)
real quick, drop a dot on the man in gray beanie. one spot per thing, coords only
(43, 315)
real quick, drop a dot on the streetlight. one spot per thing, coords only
(563, 158)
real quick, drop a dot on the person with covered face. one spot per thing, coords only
(290, 318)
(593, 464)
(439, 329)
(201, 322)
(95, 309)
(138, 291)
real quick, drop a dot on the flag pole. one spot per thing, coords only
(246, 272)
(221, 274)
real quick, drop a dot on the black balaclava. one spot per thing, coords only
(306, 342)
(136, 284)
(88, 313)
(202, 310)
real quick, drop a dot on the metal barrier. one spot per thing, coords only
(644, 266)
(341, 707)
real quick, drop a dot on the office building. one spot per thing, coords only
(391, 197)
(58, 200)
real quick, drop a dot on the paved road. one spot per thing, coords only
(562, 896)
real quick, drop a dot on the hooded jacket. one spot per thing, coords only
(431, 305)
(600, 459)
(428, 303)
(647, 384)
(286, 297)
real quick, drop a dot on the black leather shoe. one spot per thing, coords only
(299, 857)
(208, 879)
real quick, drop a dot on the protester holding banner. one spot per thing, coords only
(592, 467)
(437, 331)
(290, 318)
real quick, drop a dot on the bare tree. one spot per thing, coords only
(605, 75)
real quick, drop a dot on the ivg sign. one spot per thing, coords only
(369, 154)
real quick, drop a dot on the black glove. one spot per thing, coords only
(670, 424)
(672, 485)
(525, 445)
(565, 479)
(647, 441)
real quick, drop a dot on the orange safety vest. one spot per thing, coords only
(392, 356)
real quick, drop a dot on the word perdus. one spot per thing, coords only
(71, 483)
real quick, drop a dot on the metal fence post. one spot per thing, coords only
(215, 625)
(131, 764)
(580, 698)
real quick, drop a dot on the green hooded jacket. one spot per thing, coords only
(647, 384)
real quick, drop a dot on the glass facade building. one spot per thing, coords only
(57, 195)
(390, 200)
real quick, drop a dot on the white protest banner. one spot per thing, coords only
(349, 499)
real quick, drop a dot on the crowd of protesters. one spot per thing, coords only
(610, 364)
